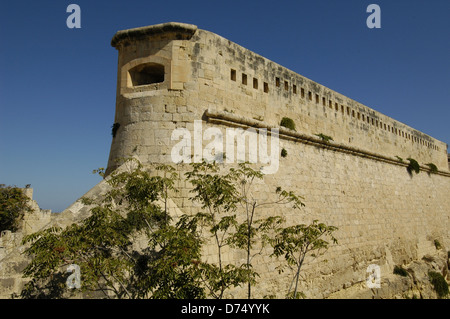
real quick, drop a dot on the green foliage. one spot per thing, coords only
(169, 264)
(224, 197)
(439, 283)
(114, 129)
(283, 152)
(413, 166)
(287, 123)
(399, 159)
(296, 242)
(399, 270)
(102, 245)
(325, 138)
(13, 206)
(437, 244)
(433, 168)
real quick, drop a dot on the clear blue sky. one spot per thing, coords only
(57, 85)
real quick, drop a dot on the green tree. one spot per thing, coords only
(296, 242)
(13, 206)
(224, 197)
(131, 247)
(102, 245)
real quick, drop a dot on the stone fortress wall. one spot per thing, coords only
(201, 70)
(172, 74)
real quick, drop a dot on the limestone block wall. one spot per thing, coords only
(201, 70)
(173, 74)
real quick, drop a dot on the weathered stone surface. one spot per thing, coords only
(385, 216)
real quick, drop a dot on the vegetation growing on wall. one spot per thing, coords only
(399, 270)
(288, 123)
(114, 129)
(324, 137)
(437, 244)
(439, 283)
(413, 166)
(433, 167)
(284, 153)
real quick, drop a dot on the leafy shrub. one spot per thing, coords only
(114, 129)
(433, 168)
(287, 123)
(439, 283)
(413, 166)
(324, 137)
(13, 205)
(283, 153)
(437, 244)
(399, 270)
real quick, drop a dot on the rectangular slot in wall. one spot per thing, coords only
(277, 82)
(286, 85)
(255, 83)
(244, 78)
(266, 87)
(302, 92)
(233, 75)
(294, 89)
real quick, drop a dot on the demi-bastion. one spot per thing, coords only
(174, 76)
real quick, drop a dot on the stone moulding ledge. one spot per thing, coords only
(230, 119)
(183, 30)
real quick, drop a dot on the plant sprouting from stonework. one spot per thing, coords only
(399, 270)
(433, 168)
(114, 129)
(324, 137)
(296, 242)
(439, 284)
(413, 166)
(288, 123)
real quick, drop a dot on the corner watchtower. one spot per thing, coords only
(153, 68)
